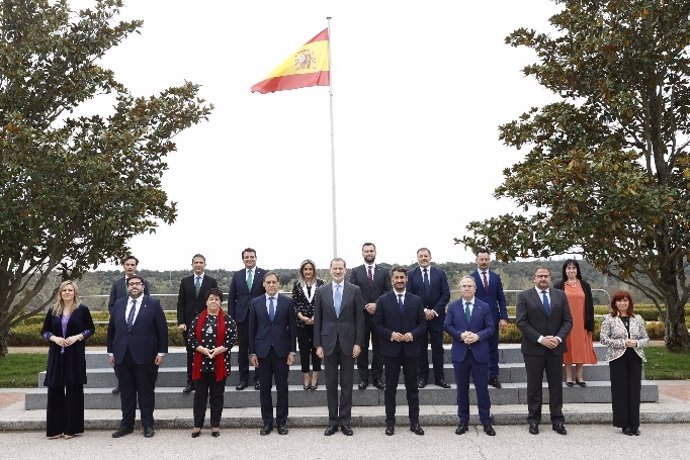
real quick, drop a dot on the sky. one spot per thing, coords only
(419, 90)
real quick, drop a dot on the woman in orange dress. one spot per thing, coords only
(579, 341)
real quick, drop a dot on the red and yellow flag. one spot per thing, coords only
(308, 66)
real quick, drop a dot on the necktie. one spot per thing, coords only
(485, 280)
(337, 300)
(545, 301)
(426, 279)
(370, 276)
(468, 313)
(130, 316)
(401, 304)
(271, 308)
(197, 285)
(250, 280)
(126, 290)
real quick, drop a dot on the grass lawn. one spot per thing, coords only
(21, 369)
(662, 365)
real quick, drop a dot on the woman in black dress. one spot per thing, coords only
(303, 296)
(67, 325)
(211, 334)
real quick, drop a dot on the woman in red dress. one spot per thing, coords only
(579, 341)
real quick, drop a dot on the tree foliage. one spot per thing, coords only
(607, 170)
(75, 188)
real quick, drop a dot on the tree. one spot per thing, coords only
(74, 189)
(607, 171)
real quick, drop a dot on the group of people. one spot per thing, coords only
(399, 312)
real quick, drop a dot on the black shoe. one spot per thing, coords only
(148, 432)
(559, 428)
(533, 428)
(627, 431)
(123, 432)
(493, 381)
(188, 389)
(196, 434)
(635, 431)
(581, 383)
(570, 384)
(421, 383)
(116, 390)
(215, 434)
(242, 385)
(390, 430)
(330, 430)
(363, 384)
(488, 429)
(417, 429)
(282, 429)
(266, 429)
(379, 384)
(347, 431)
(442, 383)
(462, 428)
(257, 386)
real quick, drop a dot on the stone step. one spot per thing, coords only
(511, 393)
(177, 376)
(177, 357)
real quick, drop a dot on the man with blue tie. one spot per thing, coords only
(245, 285)
(338, 338)
(543, 316)
(400, 323)
(490, 290)
(191, 300)
(137, 344)
(469, 323)
(272, 348)
(431, 284)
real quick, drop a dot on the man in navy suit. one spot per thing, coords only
(373, 281)
(338, 338)
(431, 284)
(470, 325)
(272, 348)
(490, 290)
(137, 343)
(245, 285)
(400, 323)
(191, 300)
(120, 290)
(543, 316)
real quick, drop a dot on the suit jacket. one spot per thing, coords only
(281, 333)
(481, 323)
(188, 303)
(119, 290)
(613, 335)
(494, 296)
(438, 294)
(381, 283)
(149, 335)
(389, 319)
(533, 322)
(589, 302)
(239, 296)
(67, 367)
(348, 328)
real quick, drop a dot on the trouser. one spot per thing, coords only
(65, 410)
(435, 332)
(339, 367)
(409, 366)
(363, 358)
(207, 388)
(535, 367)
(626, 384)
(305, 338)
(478, 370)
(137, 381)
(273, 367)
(243, 353)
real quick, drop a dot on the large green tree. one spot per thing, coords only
(74, 188)
(607, 172)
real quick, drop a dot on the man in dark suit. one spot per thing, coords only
(400, 323)
(245, 285)
(272, 348)
(490, 290)
(431, 284)
(372, 281)
(137, 343)
(543, 317)
(470, 325)
(120, 290)
(191, 300)
(338, 336)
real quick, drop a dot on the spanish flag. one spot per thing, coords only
(308, 66)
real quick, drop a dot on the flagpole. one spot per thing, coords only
(330, 93)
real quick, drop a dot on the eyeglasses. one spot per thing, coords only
(135, 283)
